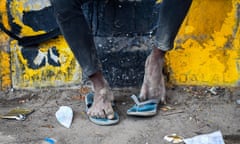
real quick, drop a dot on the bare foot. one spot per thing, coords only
(103, 97)
(153, 86)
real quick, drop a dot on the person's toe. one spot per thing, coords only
(110, 113)
(101, 114)
(110, 116)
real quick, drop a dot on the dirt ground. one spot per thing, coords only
(194, 111)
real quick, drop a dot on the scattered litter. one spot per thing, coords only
(47, 126)
(212, 138)
(173, 138)
(213, 90)
(84, 90)
(190, 118)
(64, 116)
(17, 114)
(172, 113)
(166, 108)
(78, 97)
(49, 141)
(238, 101)
(22, 101)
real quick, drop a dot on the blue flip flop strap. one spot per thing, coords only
(100, 121)
(89, 100)
(138, 103)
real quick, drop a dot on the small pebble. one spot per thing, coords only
(238, 101)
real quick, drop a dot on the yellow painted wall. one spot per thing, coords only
(17, 10)
(208, 45)
(206, 52)
(5, 80)
(23, 76)
(5, 71)
(68, 73)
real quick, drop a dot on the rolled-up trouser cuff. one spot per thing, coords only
(171, 16)
(90, 70)
(162, 45)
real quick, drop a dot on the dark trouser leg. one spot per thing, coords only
(77, 33)
(172, 14)
(79, 37)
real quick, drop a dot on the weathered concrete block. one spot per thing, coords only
(50, 64)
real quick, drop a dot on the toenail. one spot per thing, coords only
(110, 116)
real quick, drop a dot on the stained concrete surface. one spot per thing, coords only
(195, 111)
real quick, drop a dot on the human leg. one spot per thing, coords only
(102, 106)
(78, 35)
(153, 86)
(172, 14)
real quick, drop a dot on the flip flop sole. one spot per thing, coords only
(99, 121)
(144, 114)
(105, 121)
(145, 108)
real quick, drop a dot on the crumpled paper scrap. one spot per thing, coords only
(64, 116)
(212, 138)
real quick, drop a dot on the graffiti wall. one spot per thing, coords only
(49, 64)
(5, 70)
(206, 52)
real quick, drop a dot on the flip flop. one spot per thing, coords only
(99, 121)
(146, 108)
